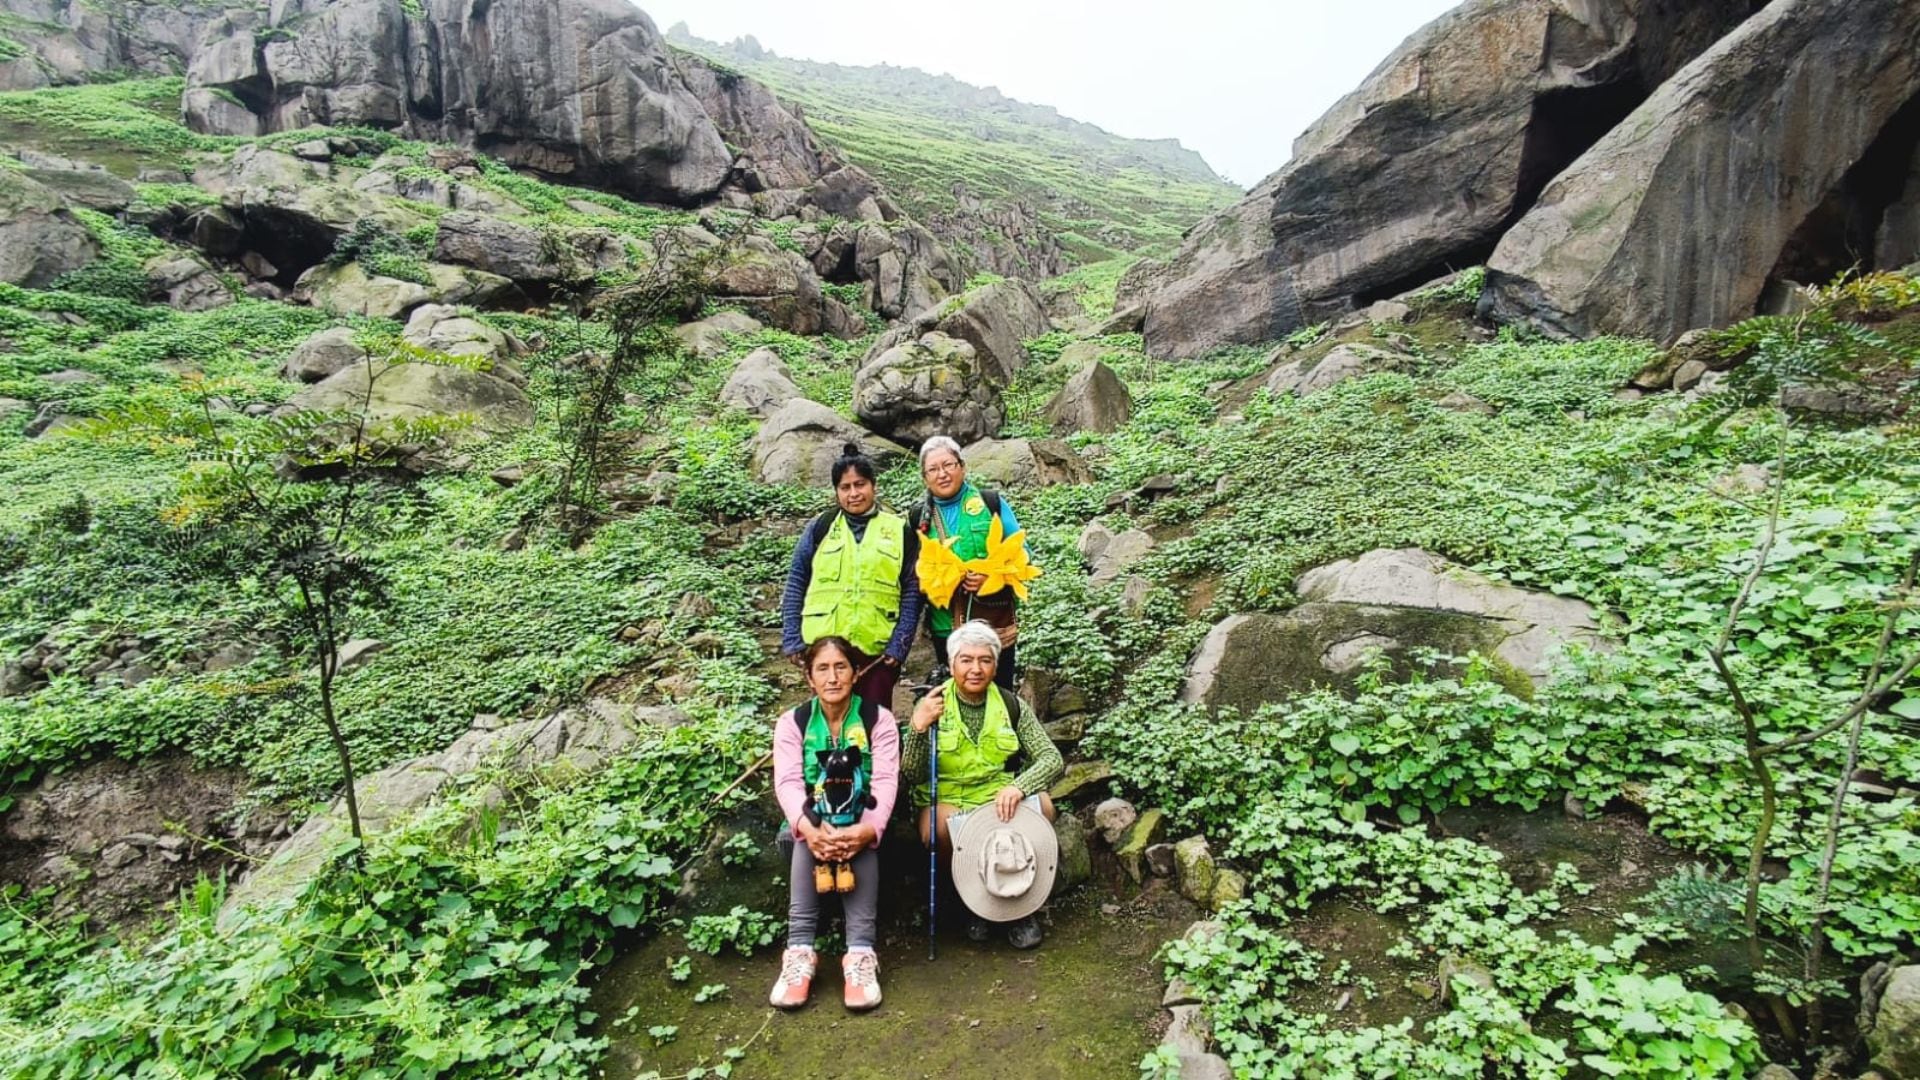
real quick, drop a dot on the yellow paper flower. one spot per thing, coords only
(940, 570)
(1005, 563)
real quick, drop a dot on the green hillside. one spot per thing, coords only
(1101, 194)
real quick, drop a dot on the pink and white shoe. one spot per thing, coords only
(790, 990)
(861, 973)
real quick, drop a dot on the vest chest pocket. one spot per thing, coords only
(1007, 740)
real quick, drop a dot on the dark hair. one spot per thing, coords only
(828, 641)
(852, 457)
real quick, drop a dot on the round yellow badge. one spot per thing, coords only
(975, 505)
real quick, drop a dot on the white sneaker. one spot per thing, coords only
(790, 990)
(861, 973)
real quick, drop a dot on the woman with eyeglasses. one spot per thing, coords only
(957, 511)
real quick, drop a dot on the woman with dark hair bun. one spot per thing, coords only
(853, 577)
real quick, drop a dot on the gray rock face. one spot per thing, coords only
(1532, 624)
(1897, 242)
(1025, 462)
(583, 90)
(186, 283)
(350, 290)
(760, 385)
(904, 268)
(1306, 378)
(1894, 1038)
(1495, 97)
(1094, 399)
(706, 338)
(777, 149)
(94, 189)
(507, 248)
(1679, 215)
(799, 442)
(493, 399)
(1109, 555)
(39, 237)
(778, 287)
(285, 208)
(579, 739)
(323, 354)
(997, 320)
(933, 385)
(65, 42)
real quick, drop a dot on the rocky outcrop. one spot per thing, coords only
(493, 400)
(577, 739)
(1308, 376)
(760, 384)
(905, 270)
(776, 149)
(582, 90)
(1094, 399)
(1008, 239)
(776, 286)
(39, 237)
(995, 320)
(1678, 217)
(1108, 554)
(1386, 603)
(1424, 165)
(63, 42)
(1025, 463)
(799, 442)
(323, 354)
(1892, 1018)
(288, 209)
(926, 386)
(350, 290)
(707, 338)
(519, 251)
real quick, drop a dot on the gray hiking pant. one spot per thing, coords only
(861, 906)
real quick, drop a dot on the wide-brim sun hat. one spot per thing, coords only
(1004, 870)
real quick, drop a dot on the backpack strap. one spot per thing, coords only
(800, 715)
(992, 499)
(817, 531)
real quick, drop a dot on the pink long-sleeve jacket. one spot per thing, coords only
(789, 779)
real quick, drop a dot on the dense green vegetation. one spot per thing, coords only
(462, 941)
(924, 136)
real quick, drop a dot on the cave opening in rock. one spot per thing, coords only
(1840, 234)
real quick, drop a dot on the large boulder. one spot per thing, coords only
(39, 237)
(442, 328)
(415, 391)
(503, 247)
(777, 286)
(1094, 399)
(323, 354)
(1306, 376)
(350, 290)
(91, 188)
(904, 268)
(583, 90)
(1025, 463)
(1677, 218)
(776, 148)
(800, 441)
(187, 283)
(1423, 165)
(288, 209)
(1894, 1035)
(760, 384)
(576, 740)
(60, 42)
(707, 338)
(1533, 624)
(997, 320)
(926, 386)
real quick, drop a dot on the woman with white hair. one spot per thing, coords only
(957, 512)
(981, 730)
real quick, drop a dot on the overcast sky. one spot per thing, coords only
(1233, 79)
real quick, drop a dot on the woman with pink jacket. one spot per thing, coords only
(836, 768)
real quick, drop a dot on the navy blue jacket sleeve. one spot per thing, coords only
(910, 599)
(799, 576)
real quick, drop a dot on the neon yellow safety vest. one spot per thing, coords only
(973, 770)
(855, 588)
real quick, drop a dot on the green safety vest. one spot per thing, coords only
(973, 770)
(855, 588)
(969, 542)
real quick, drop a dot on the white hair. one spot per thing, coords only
(940, 442)
(973, 633)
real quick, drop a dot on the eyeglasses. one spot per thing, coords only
(942, 467)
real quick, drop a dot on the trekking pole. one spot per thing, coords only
(933, 834)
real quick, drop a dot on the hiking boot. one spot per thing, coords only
(860, 971)
(977, 928)
(1025, 933)
(790, 990)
